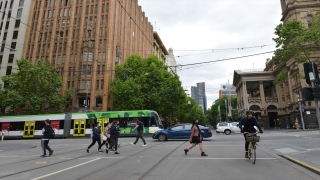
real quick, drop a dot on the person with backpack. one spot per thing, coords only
(48, 133)
(95, 137)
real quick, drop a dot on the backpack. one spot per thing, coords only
(51, 132)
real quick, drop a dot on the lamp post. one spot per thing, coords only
(302, 121)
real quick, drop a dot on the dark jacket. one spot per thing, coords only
(113, 131)
(96, 133)
(248, 124)
(46, 132)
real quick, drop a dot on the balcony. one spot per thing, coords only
(271, 99)
(254, 99)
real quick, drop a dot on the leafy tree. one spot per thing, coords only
(191, 111)
(146, 84)
(213, 113)
(295, 42)
(33, 88)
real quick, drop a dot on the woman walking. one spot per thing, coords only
(106, 136)
(95, 137)
(195, 138)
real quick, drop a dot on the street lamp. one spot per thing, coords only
(300, 111)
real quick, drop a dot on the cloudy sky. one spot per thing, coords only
(210, 30)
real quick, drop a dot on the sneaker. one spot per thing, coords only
(50, 153)
(144, 145)
(119, 145)
(43, 155)
(100, 151)
(116, 153)
(246, 155)
(186, 151)
(133, 144)
(203, 154)
(87, 150)
(107, 151)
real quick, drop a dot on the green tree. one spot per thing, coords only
(213, 113)
(33, 88)
(190, 110)
(295, 42)
(145, 83)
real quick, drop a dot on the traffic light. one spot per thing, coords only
(307, 94)
(308, 68)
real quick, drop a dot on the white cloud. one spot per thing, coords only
(214, 24)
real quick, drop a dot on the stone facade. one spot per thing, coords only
(85, 40)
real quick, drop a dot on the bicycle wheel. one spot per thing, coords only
(253, 156)
(250, 150)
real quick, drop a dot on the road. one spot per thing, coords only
(20, 159)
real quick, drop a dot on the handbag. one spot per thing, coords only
(103, 137)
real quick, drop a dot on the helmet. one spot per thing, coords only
(248, 112)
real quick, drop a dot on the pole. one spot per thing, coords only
(300, 111)
(315, 100)
(225, 102)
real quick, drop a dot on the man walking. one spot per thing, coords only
(45, 138)
(140, 129)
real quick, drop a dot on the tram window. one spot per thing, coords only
(72, 123)
(61, 124)
(16, 126)
(39, 125)
(153, 122)
(145, 121)
(0, 126)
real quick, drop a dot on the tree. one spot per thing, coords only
(295, 42)
(33, 88)
(190, 111)
(146, 84)
(213, 113)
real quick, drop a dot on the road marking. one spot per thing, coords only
(104, 158)
(222, 145)
(65, 169)
(41, 162)
(287, 150)
(230, 158)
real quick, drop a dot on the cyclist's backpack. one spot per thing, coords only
(51, 132)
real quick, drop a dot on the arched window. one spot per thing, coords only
(309, 19)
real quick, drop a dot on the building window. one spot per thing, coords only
(97, 84)
(7, 24)
(11, 4)
(11, 58)
(13, 46)
(21, 3)
(5, 36)
(15, 34)
(1, 59)
(102, 84)
(17, 24)
(9, 14)
(19, 13)
(309, 19)
(9, 69)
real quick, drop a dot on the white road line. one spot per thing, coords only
(65, 169)
(229, 158)
(104, 158)
(222, 145)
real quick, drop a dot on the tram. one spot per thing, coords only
(78, 124)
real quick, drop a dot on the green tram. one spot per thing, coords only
(78, 124)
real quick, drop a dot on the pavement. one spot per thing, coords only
(310, 158)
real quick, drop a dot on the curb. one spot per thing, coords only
(305, 165)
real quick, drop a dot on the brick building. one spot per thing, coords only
(85, 40)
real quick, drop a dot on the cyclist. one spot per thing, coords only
(248, 122)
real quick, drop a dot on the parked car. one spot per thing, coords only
(228, 127)
(180, 131)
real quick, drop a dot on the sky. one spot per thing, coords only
(212, 30)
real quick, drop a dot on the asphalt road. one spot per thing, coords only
(20, 159)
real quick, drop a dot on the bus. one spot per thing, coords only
(78, 124)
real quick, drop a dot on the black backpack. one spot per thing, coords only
(51, 132)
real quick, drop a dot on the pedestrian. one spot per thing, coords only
(297, 124)
(106, 137)
(95, 137)
(114, 137)
(118, 129)
(140, 129)
(195, 138)
(2, 136)
(45, 138)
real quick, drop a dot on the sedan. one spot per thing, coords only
(180, 131)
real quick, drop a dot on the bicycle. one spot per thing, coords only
(252, 138)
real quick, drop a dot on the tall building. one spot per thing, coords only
(198, 93)
(12, 33)
(158, 47)
(202, 90)
(226, 90)
(171, 62)
(85, 40)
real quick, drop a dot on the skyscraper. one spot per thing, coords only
(198, 93)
